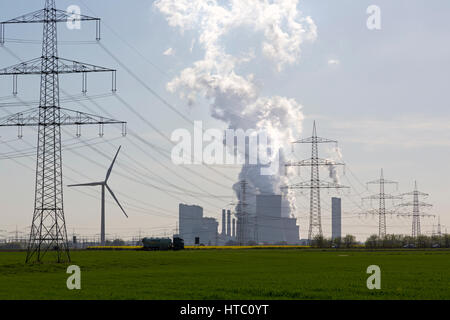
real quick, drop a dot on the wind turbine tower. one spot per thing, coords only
(104, 185)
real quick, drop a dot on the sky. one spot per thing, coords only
(381, 93)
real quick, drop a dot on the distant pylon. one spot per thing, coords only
(315, 184)
(416, 214)
(48, 228)
(439, 227)
(381, 197)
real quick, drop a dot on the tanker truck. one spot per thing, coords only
(163, 244)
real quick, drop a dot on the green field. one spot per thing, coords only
(231, 274)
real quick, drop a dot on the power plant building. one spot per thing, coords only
(268, 219)
(265, 225)
(194, 225)
(270, 226)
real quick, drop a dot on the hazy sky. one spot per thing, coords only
(382, 93)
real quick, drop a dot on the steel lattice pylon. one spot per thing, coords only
(381, 197)
(416, 214)
(48, 230)
(315, 184)
(315, 219)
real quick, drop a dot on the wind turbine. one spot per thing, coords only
(104, 185)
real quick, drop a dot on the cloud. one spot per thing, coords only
(334, 62)
(169, 52)
(282, 25)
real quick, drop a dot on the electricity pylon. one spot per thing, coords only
(439, 231)
(416, 214)
(315, 184)
(381, 197)
(48, 228)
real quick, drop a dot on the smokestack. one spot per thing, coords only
(234, 228)
(229, 223)
(223, 222)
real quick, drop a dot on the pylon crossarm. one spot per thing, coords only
(310, 162)
(375, 212)
(413, 193)
(318, 184)
(64, 66)
(411, 204)
(67, 117)
(26, 118)
(72, 66)
(27, 67)
(44, 16)
(39, 16)
(30, 118)
(425, 215)
(71, 117)
(315, 140)
(382, 181)
(384, 196)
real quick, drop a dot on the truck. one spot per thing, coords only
(163, 244)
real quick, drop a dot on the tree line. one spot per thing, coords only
(388, 241)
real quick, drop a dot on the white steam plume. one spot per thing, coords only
(235, 98)
(335, 156)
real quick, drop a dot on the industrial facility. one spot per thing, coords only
(265, 226)
(196, 229)
(257, 218)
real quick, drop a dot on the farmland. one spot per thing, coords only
(231, 274)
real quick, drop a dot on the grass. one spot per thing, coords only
(231, 274)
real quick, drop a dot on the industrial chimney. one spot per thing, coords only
(234, 228)
(229, 223)
(223, 222)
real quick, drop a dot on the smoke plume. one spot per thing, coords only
(234, 97)
(335, 155)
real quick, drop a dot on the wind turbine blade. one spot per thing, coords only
(92, 184)
(112, 164)
(114, 196)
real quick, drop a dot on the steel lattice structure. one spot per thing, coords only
(48, 230)
(315, 184)
(439, 231)
(416, 214)
(381, 197)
